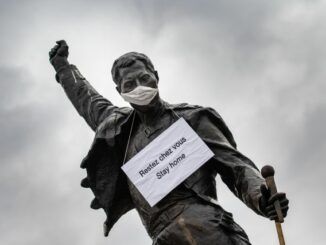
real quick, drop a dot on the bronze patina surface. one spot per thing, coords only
(190, 213)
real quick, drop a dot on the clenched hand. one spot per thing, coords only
(267, 203)
(58, 55)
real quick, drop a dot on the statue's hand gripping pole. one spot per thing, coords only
(268, 173)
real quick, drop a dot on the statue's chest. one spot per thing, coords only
(142, 135)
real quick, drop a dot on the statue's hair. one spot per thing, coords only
(127, 60)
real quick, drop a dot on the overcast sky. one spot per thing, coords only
(260, 64)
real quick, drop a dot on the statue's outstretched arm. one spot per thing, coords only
(88, 102)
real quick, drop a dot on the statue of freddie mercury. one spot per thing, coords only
(189, 214)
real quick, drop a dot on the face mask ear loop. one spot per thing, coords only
(132, 125)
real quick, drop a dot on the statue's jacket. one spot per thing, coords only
(112, 126)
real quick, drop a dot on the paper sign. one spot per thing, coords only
(167, 161)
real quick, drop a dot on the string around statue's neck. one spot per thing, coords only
(173, 112)
(130, 132)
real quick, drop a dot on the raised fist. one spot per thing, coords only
(58, 55)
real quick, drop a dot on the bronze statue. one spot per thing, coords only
(190, 214)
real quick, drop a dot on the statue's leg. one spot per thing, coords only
(202, 224)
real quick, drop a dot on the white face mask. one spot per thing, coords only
(141, 95)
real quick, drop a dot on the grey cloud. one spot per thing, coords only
(261, 64)
(25, 121)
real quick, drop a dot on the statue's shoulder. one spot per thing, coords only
(196, 115)
(183, 106)
(115, 120)
(186, 109)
